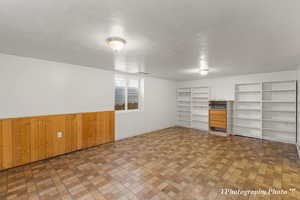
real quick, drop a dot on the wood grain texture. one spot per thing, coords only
(28, 139)
(1, 146)
(106, 127)
(7, 143)
(71, 133)
(21, 131)
(218, 124)
(39, 138)
(218, 115)
(56, 145)
(89, 129)
(218, 118)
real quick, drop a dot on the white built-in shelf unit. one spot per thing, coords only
(192, 107)
(266, 110)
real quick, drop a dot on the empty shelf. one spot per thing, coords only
(242, 126)
(292, 111)
(248, 83)
(248, 101)
(277, 101)
(247, 118)
(183, 120)
(280, 121)
(200, 92)
(202, 121)
(247, 109)
(250, 91)
(277, 130)
(203, 115)
(279, 90)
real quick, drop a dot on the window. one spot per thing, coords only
(128, 92)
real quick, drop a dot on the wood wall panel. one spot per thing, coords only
(56, 145)
(21, 141)
(79, 131)
(39, 130)
(71, 133)
(89, 129)
(1, 146)
(106, 127)
(7, 144)
(24, 140)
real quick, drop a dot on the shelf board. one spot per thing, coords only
(184, 90)
(276, 130)
(250, 91)
(195, 120)
(290, 111)
(199, 87)
(277, 101)
(255, 83)
(249, 127)
(202, 115)
(248, 101)
(286, 81)
(280, 121)
(200, 98)
(182, 120)
(247, 109)
(200, 92)
(278, 90)
(247, 118)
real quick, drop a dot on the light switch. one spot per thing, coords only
(59, 134)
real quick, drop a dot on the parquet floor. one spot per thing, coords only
(174, 163)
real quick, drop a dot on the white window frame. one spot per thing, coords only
(140, 89)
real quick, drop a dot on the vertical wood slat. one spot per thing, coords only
(7, 144)
(79, 130)
(56, 146)
(71, 133)
(106, 127)
(39, 138)
(24, 140)
(1, 146)
(21, 131)
(89, 129)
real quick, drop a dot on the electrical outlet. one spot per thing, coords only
(59, 134)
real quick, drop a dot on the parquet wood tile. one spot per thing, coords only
(174, 163)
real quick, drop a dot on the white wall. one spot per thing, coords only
(31, 87)
(223, 88)
(159, 110)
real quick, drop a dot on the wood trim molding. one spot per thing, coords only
(28, 139)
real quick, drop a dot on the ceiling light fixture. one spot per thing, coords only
(116, 43)
(203, 72)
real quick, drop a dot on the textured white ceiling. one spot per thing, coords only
(166, 38)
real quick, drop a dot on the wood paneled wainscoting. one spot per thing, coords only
(28, 139)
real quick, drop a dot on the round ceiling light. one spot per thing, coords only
(203, 72)
(116, 43)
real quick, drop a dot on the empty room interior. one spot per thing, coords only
(149, 100)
